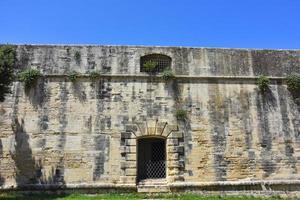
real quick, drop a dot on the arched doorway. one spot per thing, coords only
(151, 158)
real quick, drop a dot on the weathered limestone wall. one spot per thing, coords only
(84, 133)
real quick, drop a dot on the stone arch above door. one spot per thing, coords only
(152, 128)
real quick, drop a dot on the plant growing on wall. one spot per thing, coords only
(73, 76)
(77, 57)
(29, 77)
(181, 114)
(168, 75)
(7, 62)
(150, 66)
(263, 83)
(293, 82)
(94, 75)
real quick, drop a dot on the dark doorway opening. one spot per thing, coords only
(151, 158)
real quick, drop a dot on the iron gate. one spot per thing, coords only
(151, 158)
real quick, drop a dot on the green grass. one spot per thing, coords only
(129, 196)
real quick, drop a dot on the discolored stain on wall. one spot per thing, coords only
(218, 114)
(264, 106)
(102, 146)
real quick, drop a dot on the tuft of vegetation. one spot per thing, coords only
(7, 62)
(293, 82)
(168, 75)
(263, 83)
(77, 57)
(73, 76)
(95, 75)
(29, 77)
(181, 114)
(150, 66)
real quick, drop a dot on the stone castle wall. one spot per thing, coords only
(84, 133)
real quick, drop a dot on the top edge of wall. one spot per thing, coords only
(148, 46)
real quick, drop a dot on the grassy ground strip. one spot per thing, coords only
(183, 196)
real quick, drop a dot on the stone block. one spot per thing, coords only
(172, 142)
(128, 164)
(160, 126)
(128, 179)
(130, 142)
(130, 172)
(131, 157)
(77, 175)
(176, 134)
(173, 156)
(126, 135)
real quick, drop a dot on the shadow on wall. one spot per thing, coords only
(295, 110)
(36, 93)
(269, 99)
(219, 118)
(1, 154)
(266, 103)
(78, 91)
(296, 99)
(22, 156)
(28, 170)
(101, 143)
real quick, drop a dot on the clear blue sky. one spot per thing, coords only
(200, 23)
